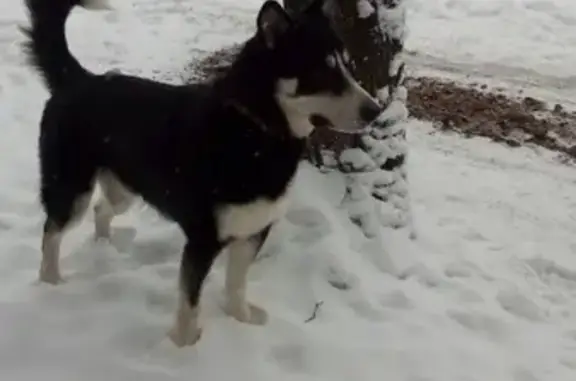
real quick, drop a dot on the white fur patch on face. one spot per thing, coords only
(345, 57)
(243, 221)
(331, 61)
(341, 110)
(287, 87)
(292, 106)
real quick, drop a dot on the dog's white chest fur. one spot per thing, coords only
(242, 221)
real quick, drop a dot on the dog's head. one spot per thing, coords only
(308, 60)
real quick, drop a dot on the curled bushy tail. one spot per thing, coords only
(46, 46)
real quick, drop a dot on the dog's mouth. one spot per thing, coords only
(319, 121)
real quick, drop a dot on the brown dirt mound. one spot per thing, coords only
(476, 110)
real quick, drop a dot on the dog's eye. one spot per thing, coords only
(321, 79)
(346, 57)
(331, 61)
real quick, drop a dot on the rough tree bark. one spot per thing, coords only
(295, 6)
(374, 164)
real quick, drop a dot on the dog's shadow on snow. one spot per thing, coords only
(124, 250)
(154, 252)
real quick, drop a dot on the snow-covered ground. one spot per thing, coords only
(533, 34)
(519, 44)
(489, 287)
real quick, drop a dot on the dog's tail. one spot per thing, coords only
(46, 46)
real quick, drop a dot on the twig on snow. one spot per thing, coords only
(315, 312)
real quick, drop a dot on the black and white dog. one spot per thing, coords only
(216, 158)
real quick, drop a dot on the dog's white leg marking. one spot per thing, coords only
(50, 265)
(103, 214)
(248, 219)
(186, 330)
(52, 239)
(115, 200)
(241, 253)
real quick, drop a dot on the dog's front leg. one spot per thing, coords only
(186, 329)
(195, 265)
(241, 253)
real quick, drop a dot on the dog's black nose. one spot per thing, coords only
(369, 111)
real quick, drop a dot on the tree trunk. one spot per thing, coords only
(295, 6)
(374, 165)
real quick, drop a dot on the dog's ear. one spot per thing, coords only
(317, 8)
(272, 22)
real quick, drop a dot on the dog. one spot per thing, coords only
(216, 158)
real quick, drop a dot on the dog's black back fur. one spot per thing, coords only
(175, 146)
(184, 149)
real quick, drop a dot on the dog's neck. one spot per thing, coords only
(254, 99)
(240, 108)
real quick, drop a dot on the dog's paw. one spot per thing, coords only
(184, 339)
(51, 277)
(247, 313)
(100, 238)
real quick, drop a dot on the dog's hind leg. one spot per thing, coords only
(241, 254)
(197, 260)
(65, 204)
(115, 200)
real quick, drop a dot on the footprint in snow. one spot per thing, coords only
(115, 49)
(571, 335)
(339, 278)
(291, 358)
(138, 338)
(5, 223)
(154, 20)
(480, 323)
(365, 310)
(111, 17)
(569, 362)
(519, 305)
(122, 238)
(308, 218)
(168, 271)
(110, 288)
(465, 269)
(17, 79)
(93, 259)
(425, 276)
(524, 375)
(450, 221)
(155, 252)
(474, 236)
(468, 295)
(551, 272)
(314, 225)
(396, 299)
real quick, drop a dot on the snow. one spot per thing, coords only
(519, 34)
(365, 9)
(393, 20)
(486, 292)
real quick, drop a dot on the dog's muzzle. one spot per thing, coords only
(370, 111)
